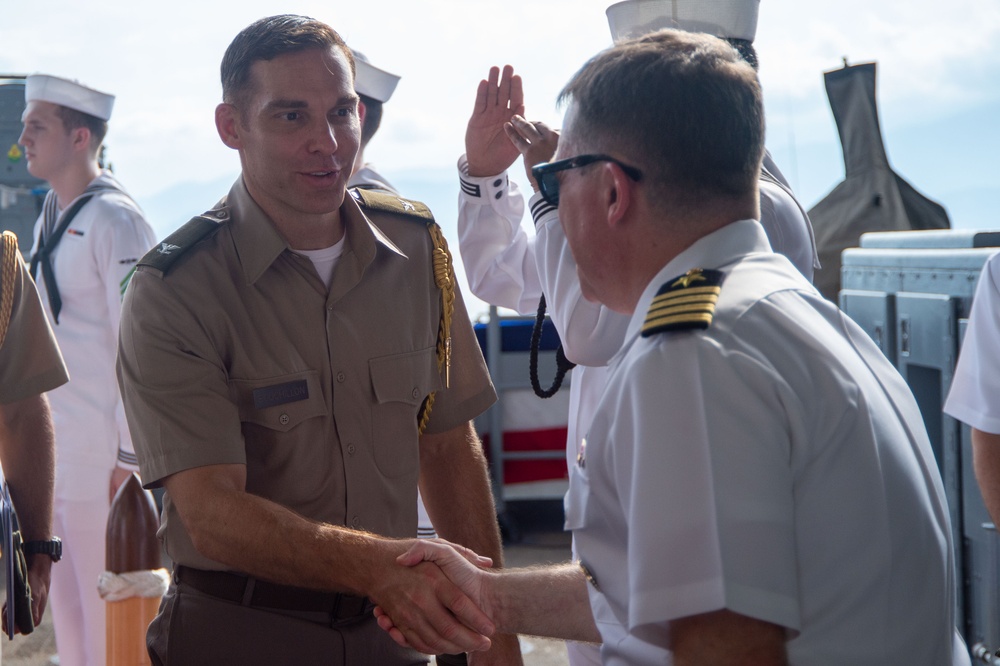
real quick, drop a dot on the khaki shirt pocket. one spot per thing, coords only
(401, 382)
(279, 403)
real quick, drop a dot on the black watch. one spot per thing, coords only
(52, 548)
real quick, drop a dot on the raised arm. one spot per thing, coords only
(496, 251)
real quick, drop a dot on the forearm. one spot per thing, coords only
(548, 601)
(986, 462)
(496, 252)
(27, 451)
(257, 536)
(455, 485)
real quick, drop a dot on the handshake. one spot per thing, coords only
(466, 622)
(472, 602)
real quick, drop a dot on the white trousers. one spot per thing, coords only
(78, 612)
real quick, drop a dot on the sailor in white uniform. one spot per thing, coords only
(86, 243)
(974, 397)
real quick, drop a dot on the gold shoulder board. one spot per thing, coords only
(684, 303)
(390, 203)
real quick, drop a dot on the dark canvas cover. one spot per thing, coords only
(872, 197)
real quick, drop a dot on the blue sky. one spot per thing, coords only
(939, 85)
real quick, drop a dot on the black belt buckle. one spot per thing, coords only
(349, 609)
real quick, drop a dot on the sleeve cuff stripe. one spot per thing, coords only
(470, 189)
(127, 457)
(541, 208)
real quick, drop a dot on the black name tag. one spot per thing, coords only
(279, 394)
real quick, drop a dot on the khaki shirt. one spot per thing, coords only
(30, 362)
(238, 354)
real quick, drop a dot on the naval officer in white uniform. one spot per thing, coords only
(510, 268)
(86, 243)
(756, 485)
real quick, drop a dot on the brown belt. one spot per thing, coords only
(254, 593)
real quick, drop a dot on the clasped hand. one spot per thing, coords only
(467, 625)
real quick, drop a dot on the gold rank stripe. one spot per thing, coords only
(668, 300)
(684, 303)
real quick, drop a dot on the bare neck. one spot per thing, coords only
(73, 180)
(658, 244)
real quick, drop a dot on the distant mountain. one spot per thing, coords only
(177, 204)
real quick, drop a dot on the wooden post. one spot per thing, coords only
(131, 547)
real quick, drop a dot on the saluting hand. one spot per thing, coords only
(498, 99)
(536, 141)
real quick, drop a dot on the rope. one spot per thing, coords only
(8, 278)
(146, 584)
(444, 278)
(563, 364)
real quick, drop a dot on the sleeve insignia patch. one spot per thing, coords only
(684, 303)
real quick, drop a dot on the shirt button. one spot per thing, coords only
(351, 449)
(283, 419)
(356, 522)
(341, 377)
(415, 393)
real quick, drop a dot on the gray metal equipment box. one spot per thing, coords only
(21, 194)
(912, 292)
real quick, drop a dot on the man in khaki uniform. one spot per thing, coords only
(286, 382)
(30, 365)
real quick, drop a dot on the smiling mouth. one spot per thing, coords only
(322, 175)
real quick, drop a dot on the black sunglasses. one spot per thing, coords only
(548, 183)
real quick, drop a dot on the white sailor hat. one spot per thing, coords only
(71, 94)
(728, 19)
(371, 81)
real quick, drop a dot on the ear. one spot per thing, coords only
(80, 139)
(618, 193)
(362, 110)
(227, 122)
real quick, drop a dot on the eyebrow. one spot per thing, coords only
(276, 104)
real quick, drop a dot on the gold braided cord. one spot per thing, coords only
(444, 277)
(8, 277)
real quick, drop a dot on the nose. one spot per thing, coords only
(23, 138)
(323, 139)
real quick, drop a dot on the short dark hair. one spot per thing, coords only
(373, 118)
(268, 38)
(683, 107)
(746, 50)
(73, 119)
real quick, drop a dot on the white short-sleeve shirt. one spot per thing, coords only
(974, 397)
(774, 464)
